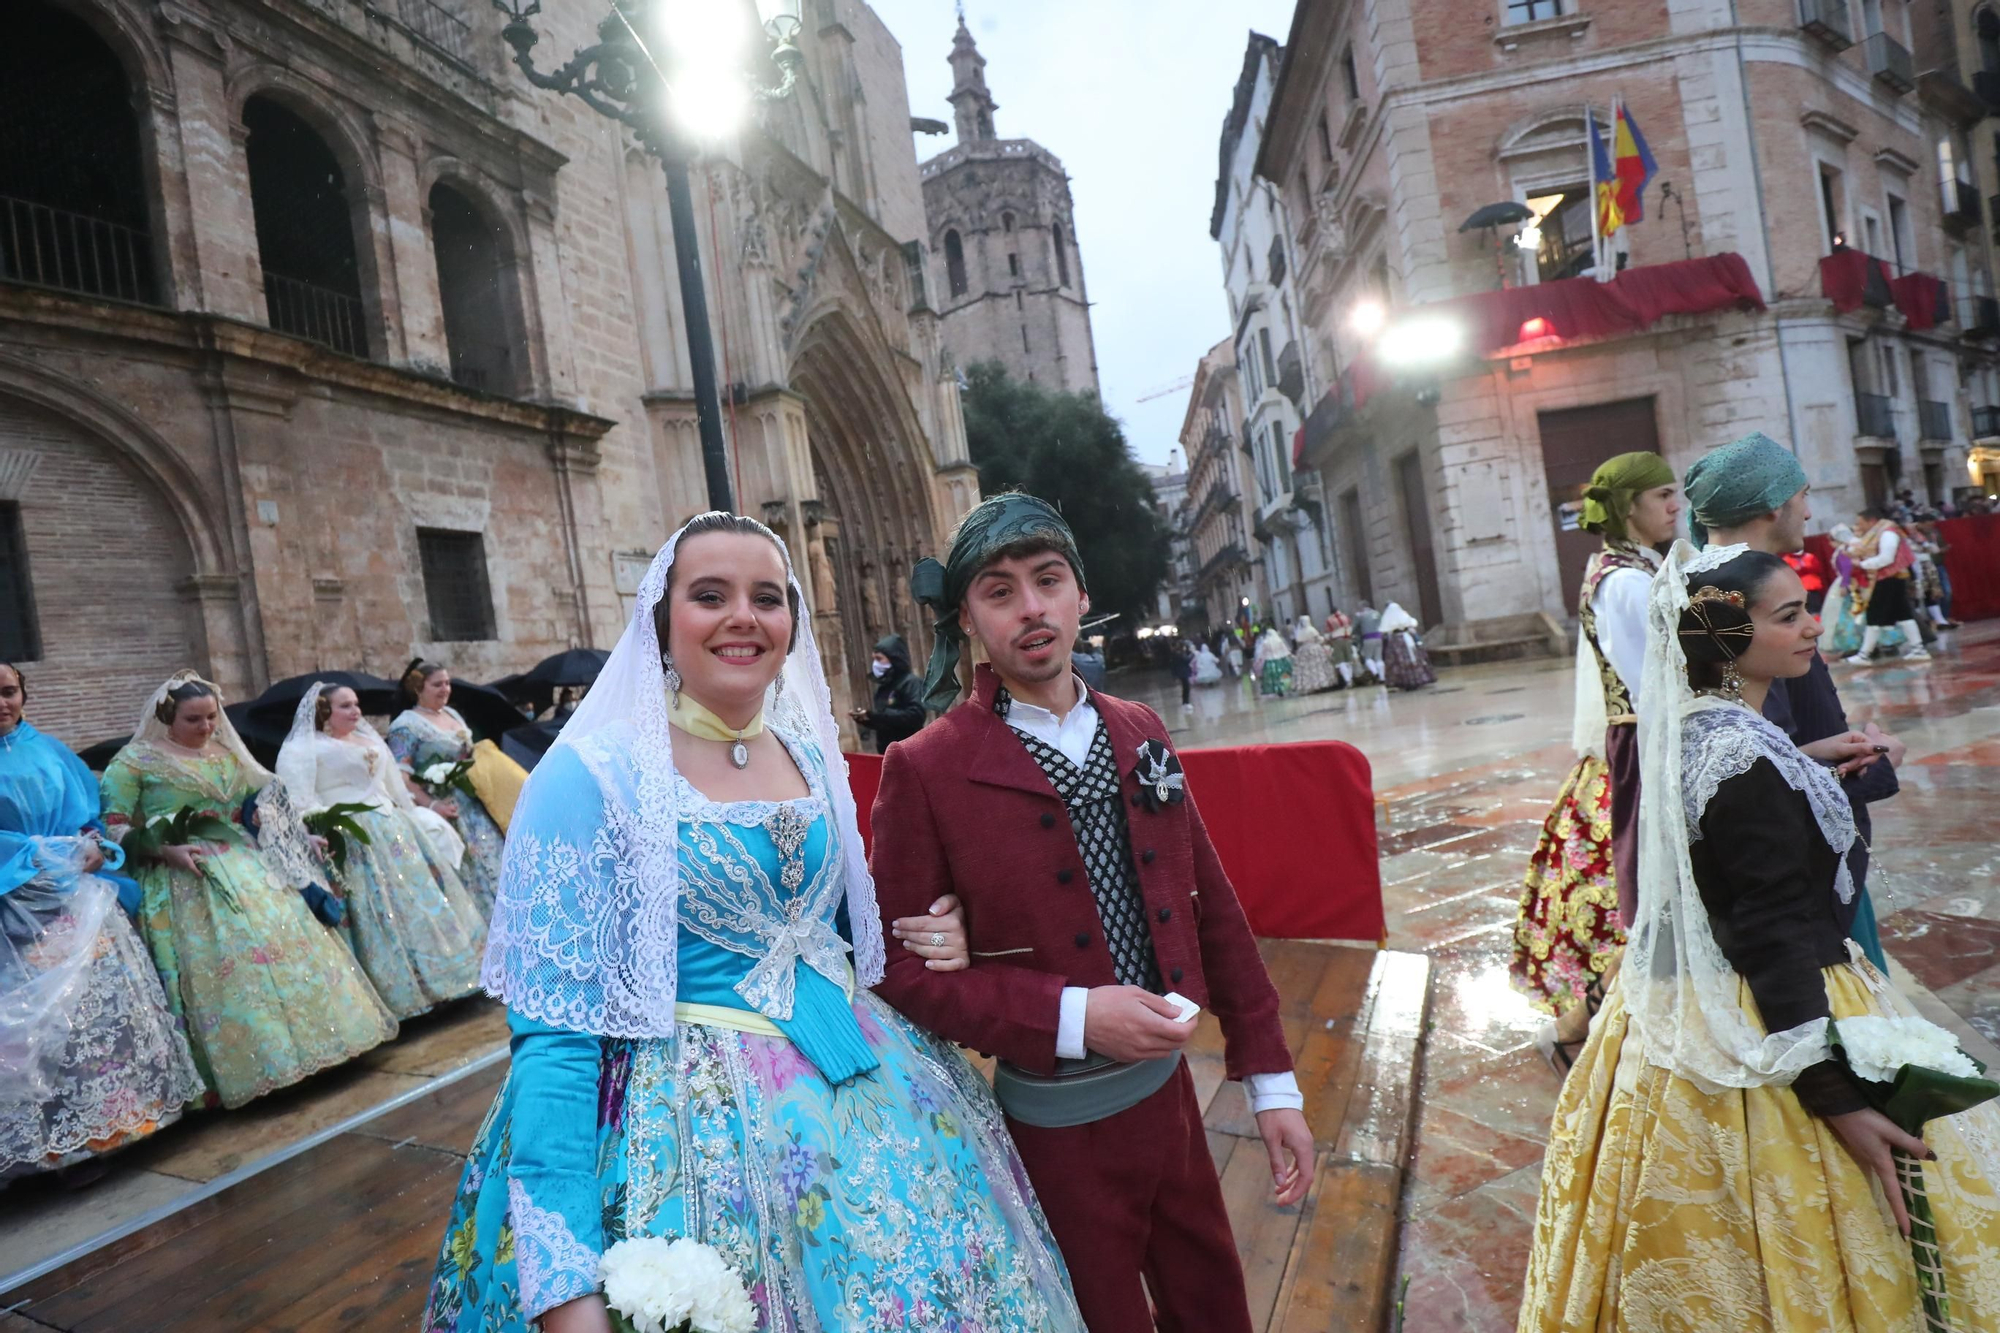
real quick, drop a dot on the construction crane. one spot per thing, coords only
(1183, 383)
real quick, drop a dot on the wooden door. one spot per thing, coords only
(1574, 442)
(1417, 522)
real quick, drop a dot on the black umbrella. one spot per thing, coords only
(262, 741)
(568, 669)
(526, 744)
(275, 706)
(1497, 215)
(521, 690)
(485, 709)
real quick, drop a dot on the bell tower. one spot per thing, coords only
(970, 98)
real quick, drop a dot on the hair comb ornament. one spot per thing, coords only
(1730, 638)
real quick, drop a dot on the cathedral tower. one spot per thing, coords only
(1005, 268)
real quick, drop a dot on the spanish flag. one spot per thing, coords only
(1620, 174)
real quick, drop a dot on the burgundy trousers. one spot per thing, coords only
(1134, 1196)
(1621, 756)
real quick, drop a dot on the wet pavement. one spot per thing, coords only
(1465, 771)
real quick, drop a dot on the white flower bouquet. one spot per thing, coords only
(1912, 1071)
(656, 1285)
(443, 778)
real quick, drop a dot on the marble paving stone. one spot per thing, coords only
(1464, 1257)
(1455, 1154)
(1942, 950)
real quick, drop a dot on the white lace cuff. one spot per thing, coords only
(554, 1265)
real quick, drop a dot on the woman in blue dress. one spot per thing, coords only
(429, 732)
(91, 1055)
(694, 1054)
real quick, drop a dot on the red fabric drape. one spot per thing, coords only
(1922, 299)
(1973, 561)
(1293, 824)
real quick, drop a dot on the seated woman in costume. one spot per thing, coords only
(694, 1053)
(91, 1056)
(415, 929)
(1712, 1162)
(267, 993)
(429, 732)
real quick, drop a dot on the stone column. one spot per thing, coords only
(410, 283)
(206, 179)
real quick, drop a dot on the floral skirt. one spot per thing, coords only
(480, 870)
(1666, 1208)
(892, 1202)
(102, 1064)
(414, 928)
(1568, 934)
(1843, 629)
(1405, 662)
(1313, 669)
(1275, 677)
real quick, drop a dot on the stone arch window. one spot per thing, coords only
(78, 221)
(477, 290)
(305, 229)
(1007, 222)
(1986, 28)
(1062, 255)
(954, 263)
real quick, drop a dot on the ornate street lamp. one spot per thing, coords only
(679, 73)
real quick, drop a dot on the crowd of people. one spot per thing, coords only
(191, 929)
(1278, 661)
(1696, 920)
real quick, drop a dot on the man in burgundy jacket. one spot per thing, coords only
(1091, 892)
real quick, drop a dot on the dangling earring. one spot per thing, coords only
(673, 677)
(778, 688)
(1732, 683)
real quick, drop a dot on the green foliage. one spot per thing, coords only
(184, 826)
(1066, 449)
(336, 824)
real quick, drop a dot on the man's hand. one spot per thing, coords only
(946, 925)
(1129, 1023)
(1849, 752)
(1285, 1135)
(1894, 749)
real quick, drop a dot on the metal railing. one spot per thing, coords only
(1985, 423)
(308, 310)
(1978, 317)
(71, 252)
(441, 26)
(1933, 420)
(1874, 416)
(1826, 20)
(1889, 62)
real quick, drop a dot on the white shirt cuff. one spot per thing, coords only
(1069, 1023)
(1274, 1092)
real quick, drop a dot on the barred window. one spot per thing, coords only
(20, 637)
(461, 602)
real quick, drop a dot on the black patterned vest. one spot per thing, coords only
(1615, 555)
(1094, 797)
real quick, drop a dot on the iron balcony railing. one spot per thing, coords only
(1985, 423)
(1889, 62)
(308, 310)
(1826, 20)
(1874, 416)
(441, 26)
(72, 252)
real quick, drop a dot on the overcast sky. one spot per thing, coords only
(1131, 97)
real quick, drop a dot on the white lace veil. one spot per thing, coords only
(282, 840)
(299, 766)
(1679, 989)
(624, 983)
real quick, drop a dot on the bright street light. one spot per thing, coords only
(1367, 316)
(1420, 340)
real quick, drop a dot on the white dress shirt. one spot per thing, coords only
(1070, 735)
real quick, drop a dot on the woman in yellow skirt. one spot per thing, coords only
(1713, 1164)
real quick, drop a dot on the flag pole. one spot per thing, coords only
(1590, 157)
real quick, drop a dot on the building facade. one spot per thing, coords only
(1007, 269)
(1259, 265)
(1170, 501)
(1221, 508)
(332, 341)
(1786, 132)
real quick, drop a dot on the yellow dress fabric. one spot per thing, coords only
(1665, 1209)
(497, 779)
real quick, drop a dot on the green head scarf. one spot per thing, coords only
(1616, 483)
(1739, 481)
(996, 522)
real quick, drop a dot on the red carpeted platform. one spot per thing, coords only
(1294, 826)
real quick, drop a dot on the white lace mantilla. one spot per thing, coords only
(554, 1265)
(1721, 741)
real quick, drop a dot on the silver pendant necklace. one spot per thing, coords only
(739, 754)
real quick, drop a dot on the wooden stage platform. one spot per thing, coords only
(344, 1235)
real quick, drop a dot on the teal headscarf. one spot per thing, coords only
(1739, 481)
(1616, 483)
(995, 522)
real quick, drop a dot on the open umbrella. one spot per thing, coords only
(1497, 215)
(568, 669)
(276, 705)
(485, 709)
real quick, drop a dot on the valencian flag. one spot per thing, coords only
(1620, 174)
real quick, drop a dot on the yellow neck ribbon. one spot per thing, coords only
(697, 720)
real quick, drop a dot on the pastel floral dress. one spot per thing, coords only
(853, 1169)
(268, 994)
(418, 742)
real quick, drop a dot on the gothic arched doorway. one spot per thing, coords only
(873, 470)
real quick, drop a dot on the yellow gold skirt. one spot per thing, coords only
(1664, 1207)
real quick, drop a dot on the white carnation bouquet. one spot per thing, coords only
(1913, 1072)
(444, 777)
(656, 1285)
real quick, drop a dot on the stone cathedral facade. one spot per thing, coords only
(327, 340)
(1004, 259)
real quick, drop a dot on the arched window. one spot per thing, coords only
(1062, 256)
(954, 263)
(475, 287)
(74, 210)
(1007, 222)
(1987, 25)
(305, 230)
